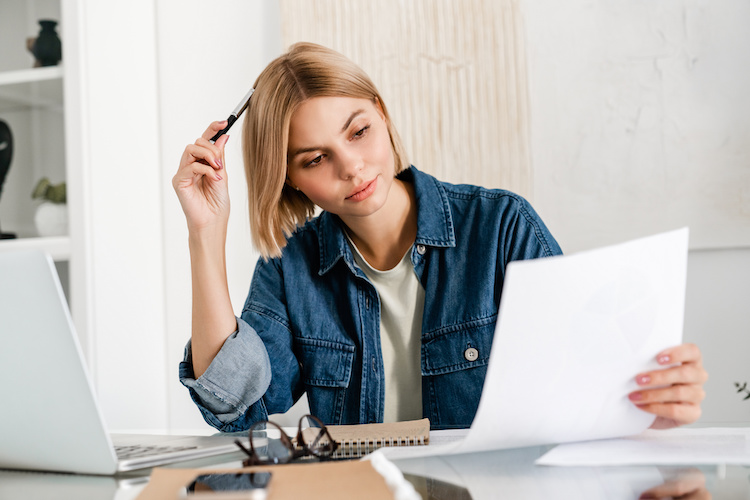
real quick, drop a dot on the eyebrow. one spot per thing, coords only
(348, 122)
(351, 119)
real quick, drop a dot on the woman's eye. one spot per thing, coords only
(314, 161)
(361, 132)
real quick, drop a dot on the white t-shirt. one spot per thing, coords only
(401, 308)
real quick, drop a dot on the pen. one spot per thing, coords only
(235, 114)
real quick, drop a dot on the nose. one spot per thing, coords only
(350, 164)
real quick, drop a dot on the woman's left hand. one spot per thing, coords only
(673, 394)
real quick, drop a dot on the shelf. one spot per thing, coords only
(31, 75)
(37, 87)
(57, 246)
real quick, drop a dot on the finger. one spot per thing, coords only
(221, 142)
(213, 128)
(683, 492)
(678, 414)
(681, 393)
(188, 176)
(686, 484)
(688, 373)
(216, 149)
(701, 494)
(202, 153)
(684, 353)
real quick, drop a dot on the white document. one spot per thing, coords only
(572, 334)
(684, 446)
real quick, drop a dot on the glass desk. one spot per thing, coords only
(507, 474)
(512, 474)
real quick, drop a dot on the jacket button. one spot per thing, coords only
(471, 354)
(421, 249)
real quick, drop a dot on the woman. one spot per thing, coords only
(383, 307)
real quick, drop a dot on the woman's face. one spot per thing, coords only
(340, 155)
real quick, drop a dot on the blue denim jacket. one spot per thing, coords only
(311, 320)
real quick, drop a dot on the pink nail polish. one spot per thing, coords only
(218, 162)
(643, 380)
(636, 396)
(664, 359)
(218, 177)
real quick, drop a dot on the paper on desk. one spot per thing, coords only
(573, 332)
(729, 446)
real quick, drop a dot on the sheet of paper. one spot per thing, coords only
(573, 332)
(729, 446)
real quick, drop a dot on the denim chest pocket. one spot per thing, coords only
(459, 347)
(454, 365)
(325, 363)
(326, 373)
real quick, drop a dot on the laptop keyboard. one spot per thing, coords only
(140, 451)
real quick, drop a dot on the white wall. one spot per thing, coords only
(641, 118)
(717, 318)
(116, 228)
(640, 123)
(209, 57)
(146, 79)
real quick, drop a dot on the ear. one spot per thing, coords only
(290, 184)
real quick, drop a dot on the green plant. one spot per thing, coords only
(45, 190)
(743, 388)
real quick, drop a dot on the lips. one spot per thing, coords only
(363, 191)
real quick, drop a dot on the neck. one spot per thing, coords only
(383, 238)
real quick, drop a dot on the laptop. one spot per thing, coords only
(50, 419)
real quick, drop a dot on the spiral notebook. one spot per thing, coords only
(361, 439)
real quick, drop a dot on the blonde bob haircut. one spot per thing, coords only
(306, 71)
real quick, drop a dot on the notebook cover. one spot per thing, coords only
(319, 481)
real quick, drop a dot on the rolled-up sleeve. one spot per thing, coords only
(227, 401)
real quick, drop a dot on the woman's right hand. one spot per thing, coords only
(201, 181)
(201, 186)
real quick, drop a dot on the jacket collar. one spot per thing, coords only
(434, 222)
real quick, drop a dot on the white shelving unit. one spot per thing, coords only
(57, 246)
(30, 75)
(30, 99)
(32, 104)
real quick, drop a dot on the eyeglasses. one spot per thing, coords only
(313, 439)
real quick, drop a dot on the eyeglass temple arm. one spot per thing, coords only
(242, 447)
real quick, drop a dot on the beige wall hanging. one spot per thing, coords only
(453, 74)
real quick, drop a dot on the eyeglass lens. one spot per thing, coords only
(271, 446)
(315, 436)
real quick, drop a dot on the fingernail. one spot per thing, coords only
(636, 396)
(218, 177)
(218, 162)
(642, 379)
(663, 359)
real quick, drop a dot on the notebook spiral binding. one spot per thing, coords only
(354, 448)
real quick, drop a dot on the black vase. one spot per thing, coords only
(6, 154)
(47, 48)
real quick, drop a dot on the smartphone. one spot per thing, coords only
(228, 486)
